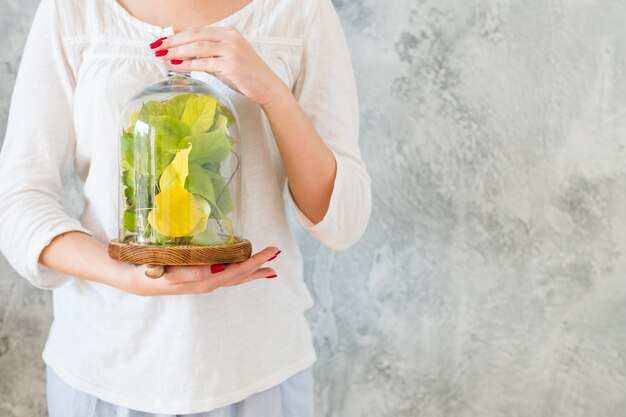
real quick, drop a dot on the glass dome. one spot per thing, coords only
(179, 159)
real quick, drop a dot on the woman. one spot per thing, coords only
(205, 340)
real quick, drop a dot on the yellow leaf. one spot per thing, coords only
(199, 113)
(205, 207)
(176, 212)
(176, 172)
(228, 223)
(220, 122)
(200, 227)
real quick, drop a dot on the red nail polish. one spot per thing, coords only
(162, 52)
(275, 256)
(272, 276)
(217, 268)
(157, 43)
(176, 61)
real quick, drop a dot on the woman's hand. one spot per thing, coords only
(309, 163)
(223, 52)
(94, 264)
(199, 279)
(226, 54)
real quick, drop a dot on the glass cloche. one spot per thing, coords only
(179, 176)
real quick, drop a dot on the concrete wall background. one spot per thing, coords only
(491, 280)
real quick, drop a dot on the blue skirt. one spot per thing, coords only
(292, 398)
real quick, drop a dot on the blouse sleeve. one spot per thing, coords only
(326, 90)
(38, 151)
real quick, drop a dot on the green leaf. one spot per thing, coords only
(151, 108)
(220, 121)
(212, 166)
(213, 146)
(128, 180)
(208, 237)
(205, 208)
(129, 220)
(199, 182)
(204, 205)
(176, 105)
(133, 119)
(127, 148)
(157, 238)
(168, 133)
(230, 118)
(224, 201)
(137, 153)
(136, 150)
(199, 113)
(212, 187)
(177, 171)
(162, 132)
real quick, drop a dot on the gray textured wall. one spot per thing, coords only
(491, 280)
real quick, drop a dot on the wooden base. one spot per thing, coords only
(179, 255)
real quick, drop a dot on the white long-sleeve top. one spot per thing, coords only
(83, 60)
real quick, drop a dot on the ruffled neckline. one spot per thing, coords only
(169, 30)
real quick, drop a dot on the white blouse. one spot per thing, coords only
(83, 60)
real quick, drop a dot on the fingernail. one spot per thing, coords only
(176, 61)
(272, 276)
(157, 43)
(274, 257)
(217, 268)
(162, 52)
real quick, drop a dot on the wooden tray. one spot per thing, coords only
(138, 254)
